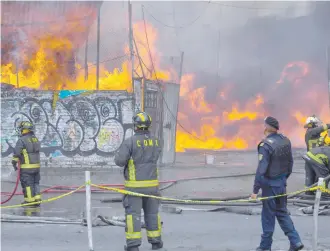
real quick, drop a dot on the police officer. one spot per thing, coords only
(317, 160)
(275, 166)
(27, 153)
(313, 139)
(139, 155)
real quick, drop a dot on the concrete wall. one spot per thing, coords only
(83, 131)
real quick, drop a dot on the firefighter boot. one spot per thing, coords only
(135, 248)
(156, 246)
(260, 249)
(298, 247)
(37, 204)
(26, 204)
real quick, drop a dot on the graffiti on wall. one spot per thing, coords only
(79, 125)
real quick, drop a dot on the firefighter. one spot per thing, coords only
(274, 168)
(314, 131)
(317, 160)
(313, 139)
(324, 139)
(26, 152)
(139, 155)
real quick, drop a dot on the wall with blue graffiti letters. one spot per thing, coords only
(83, 130)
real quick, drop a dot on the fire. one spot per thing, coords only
(294, 72)
(300, 118)
(240, 124)
(212, 118)
(236, 115)
(259, 100)
(48, 67)
(197, 101)
(186, 84)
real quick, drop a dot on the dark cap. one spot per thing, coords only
(272, 122)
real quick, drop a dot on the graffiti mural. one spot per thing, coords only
(82, 125)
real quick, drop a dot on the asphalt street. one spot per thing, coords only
(185, 232)
(216, 231)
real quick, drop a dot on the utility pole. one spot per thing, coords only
(139, 58)
(130, 39)
(98, 48)
(328, 69)
(86, 57)
(178, 100)
(17, 71)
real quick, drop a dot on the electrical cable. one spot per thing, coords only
(104, 61)
(158, 82)
(244, 7)
(179, 27)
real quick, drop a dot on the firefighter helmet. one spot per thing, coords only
(312, 122)
(25, 125)
(142, 120)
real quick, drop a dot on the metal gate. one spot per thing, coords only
(161, 102)
(170, 100)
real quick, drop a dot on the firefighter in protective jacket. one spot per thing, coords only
(27, 153)
(313, 138)
(314, 131)
(317, 160)
(139, 155)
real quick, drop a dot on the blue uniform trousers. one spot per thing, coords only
(272, 208)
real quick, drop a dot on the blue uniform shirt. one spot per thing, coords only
(264, 155)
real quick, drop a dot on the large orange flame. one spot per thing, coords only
(225, 123)
(49, 66)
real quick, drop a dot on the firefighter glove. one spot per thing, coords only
(14, 163)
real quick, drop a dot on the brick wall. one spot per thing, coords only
(82, 131)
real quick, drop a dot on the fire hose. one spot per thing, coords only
(167, 183)
(16, 186)
(63, 189)
(291, 198)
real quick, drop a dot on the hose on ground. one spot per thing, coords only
(11, 195)
(315, 184)
(169, 183)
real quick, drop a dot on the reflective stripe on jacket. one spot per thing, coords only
(27, 151)
(139, 155)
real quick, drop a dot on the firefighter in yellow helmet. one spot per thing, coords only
(27, 153)
(312, 138)
(139, 155)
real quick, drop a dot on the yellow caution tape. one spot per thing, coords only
(123, 191)
(44, 201)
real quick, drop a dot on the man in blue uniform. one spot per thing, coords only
(275, 166)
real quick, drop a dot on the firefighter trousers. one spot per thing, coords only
(133, 206)
(317, 169)
(310, 176)
(30, 184)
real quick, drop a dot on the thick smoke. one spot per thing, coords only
(240, 48)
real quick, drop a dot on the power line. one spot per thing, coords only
(246, 7)
(179, 27)
(154, 70)
(106, 60)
